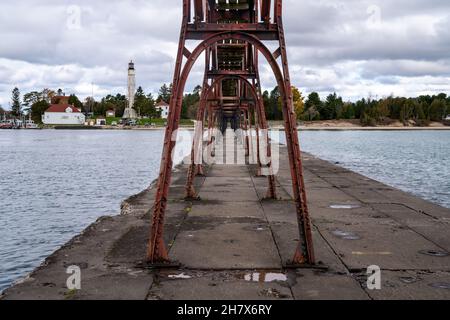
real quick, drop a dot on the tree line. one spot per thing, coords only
(35, 103)
(421, 110)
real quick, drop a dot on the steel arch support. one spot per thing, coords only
(304, 253)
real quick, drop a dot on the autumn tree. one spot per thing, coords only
(298, 100)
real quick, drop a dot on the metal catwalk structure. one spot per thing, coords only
(232, 35)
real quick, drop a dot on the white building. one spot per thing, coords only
(129, 112)
(100, 121)
(111, 113)
(62, 114)
(164, 108)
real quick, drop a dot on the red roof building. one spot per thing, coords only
(163, 107)
(62, 108)
(63, 114)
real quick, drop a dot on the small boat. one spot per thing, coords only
(7, 124)
(29, 124)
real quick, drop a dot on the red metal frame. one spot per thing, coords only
(232, 35)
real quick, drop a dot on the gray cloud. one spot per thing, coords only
(356, 48)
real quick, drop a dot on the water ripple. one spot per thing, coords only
(55, 183)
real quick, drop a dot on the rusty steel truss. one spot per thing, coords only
(231, 35)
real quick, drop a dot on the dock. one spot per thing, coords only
(234, 244)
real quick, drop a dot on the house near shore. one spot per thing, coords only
(447, 118)
(111, 113)
(100, 121)
(163, 107)
(63, 114)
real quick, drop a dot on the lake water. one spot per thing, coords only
(417, 162)
(53, 184)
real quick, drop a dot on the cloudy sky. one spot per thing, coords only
(356, 48)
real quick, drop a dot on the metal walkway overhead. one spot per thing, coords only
(232, 35)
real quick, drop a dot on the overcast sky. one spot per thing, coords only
(356, 48)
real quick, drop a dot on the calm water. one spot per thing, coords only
(55, 183)
(417, 162)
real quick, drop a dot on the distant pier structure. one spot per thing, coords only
(130, 113)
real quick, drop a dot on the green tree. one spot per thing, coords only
(165, 92)
(407, 111)
(139, 100)
(332, 108)
(382, 110)
(31, 97)
(91, 106)
(73, 100)
(149, 109)
(117, 103)
(367, 111)
(419, 111)
(438, 110)
(266, 102)
(312, 106)
(191, 103)
(16, 106)
(441, 96)
(37, 110)
(348, 111)
(274, 111)
(144, 104)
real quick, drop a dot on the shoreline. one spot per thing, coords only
(374, 128)
(327, 125)
(275, 128)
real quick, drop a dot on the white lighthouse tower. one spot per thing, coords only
(130, 113)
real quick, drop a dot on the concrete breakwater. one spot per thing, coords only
(233, 244)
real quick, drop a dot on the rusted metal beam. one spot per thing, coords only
(156, 250)
(265, 10)
(232, 48)
(186, 52)
(277, 53)
(198, 8)
(217, 73)
(305, 250)
(202, 31)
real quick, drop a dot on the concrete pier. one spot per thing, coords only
(233, 244)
